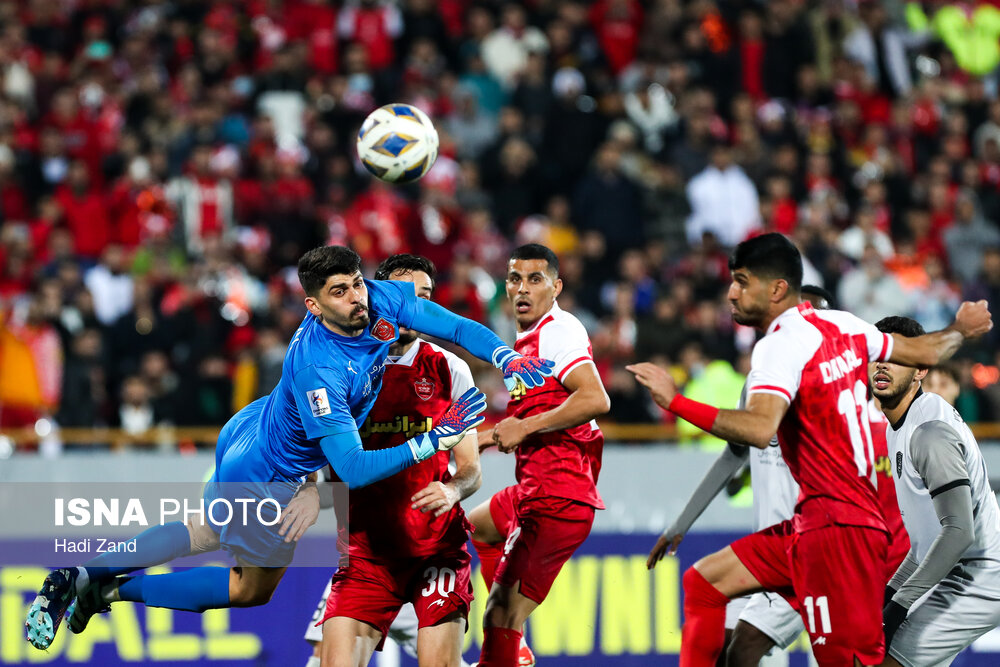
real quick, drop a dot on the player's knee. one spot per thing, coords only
(250, 596)
(747, 646)
(203, 538)
(691, 579)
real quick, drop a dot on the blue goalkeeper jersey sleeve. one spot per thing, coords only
(329, 382)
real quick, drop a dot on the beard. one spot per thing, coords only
(891, 396)
(357, 321)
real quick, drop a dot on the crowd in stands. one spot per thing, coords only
(164, 164)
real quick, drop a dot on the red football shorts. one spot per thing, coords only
(834, 576)
(542, 534)
(373, 592)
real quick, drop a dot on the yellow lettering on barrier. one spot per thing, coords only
(220, 644)
(565, 623)
(625, 610)
(162, 643)
(666, 578)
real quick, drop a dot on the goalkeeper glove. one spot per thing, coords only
(464, 414)
(529, 371)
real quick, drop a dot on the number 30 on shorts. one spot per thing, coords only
(441, 581)
(813, 605)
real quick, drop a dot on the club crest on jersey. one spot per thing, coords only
(424, 388)
(383, 330)
(899, 464)
(318, 402)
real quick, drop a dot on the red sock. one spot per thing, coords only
(489, 556)
(704, 632)
(500, 647)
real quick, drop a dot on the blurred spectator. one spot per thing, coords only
(870, 292)
(966, 238)
(204, 202)
(85, 210)
(707, 380)
(136, 414)
(723, 201)
(864, 233)
(943, 381)
(110, 284)
(505, 50)
(608, 202)
(84, 379)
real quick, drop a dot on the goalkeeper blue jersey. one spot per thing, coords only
(329, 382)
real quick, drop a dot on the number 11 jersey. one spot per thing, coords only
(817, 361)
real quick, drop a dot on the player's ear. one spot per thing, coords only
(558, 285)
(921, 374)
(779, 290)
(312, 306)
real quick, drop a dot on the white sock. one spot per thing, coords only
(82, 580)
(313, 661)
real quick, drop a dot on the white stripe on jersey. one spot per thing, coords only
(914, 497)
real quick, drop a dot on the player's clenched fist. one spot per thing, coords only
(529, 371)
(657, 380)
(508, 434)
(973, 319)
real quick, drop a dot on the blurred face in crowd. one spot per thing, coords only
(424, 286)
(532, 288)
(943, 384)
(341, 304)
(890, 382)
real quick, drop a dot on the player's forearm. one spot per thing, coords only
(580, 407)
(434, 320)
(467, 480)
(903, 572)
(927, 350)
(715, 480)
(954, 510)
(358, 467)
(743, 427)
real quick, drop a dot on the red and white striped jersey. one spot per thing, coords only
(566, 463)
(817, 361)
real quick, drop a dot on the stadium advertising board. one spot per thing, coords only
(605, 609)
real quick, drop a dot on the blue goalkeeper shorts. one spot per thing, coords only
(256, 492)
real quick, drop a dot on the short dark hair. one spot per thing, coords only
(816, 290)
(770, 256)
(406, 263)
(904, 326)
(317, 265)
(537, 251)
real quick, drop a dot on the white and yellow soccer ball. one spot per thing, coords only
(398, 143)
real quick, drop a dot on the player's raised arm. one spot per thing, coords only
(432, 319)
(972, 319)
(359, 467)
(754, 425)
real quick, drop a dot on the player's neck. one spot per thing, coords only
(895, 412)
(397, 350)
(776, 310)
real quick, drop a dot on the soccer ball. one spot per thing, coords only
(397, 143)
